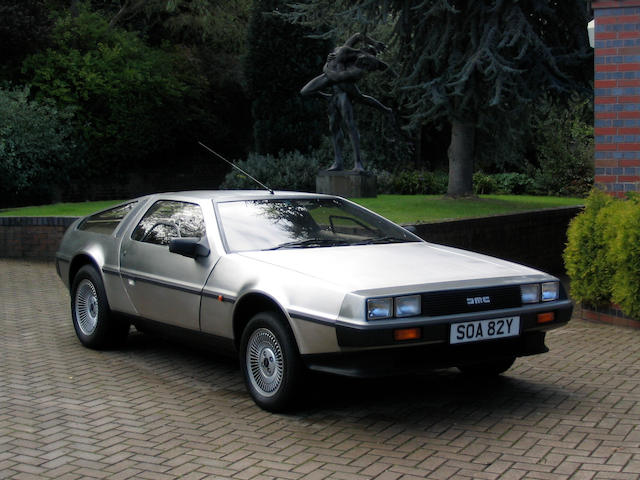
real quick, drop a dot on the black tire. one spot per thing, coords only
(270, 362)
(491, 368)
(95, 325)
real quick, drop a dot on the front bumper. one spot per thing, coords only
(371, 350)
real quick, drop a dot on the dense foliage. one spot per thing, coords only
(471, 62)
(24, 27)
(38, 149)
(128, 95)
(132, 85)
(286, 171)
(603, 253)
(280, 61)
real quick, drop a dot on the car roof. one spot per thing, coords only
(230, 195)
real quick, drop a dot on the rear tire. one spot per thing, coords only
(491, 368)
(270, 362)
(95, 325)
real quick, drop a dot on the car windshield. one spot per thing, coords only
(303, 223)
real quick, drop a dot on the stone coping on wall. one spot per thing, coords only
(37, 221)
(610, 314)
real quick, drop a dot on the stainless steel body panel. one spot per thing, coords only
(320, 291)
(164, 286)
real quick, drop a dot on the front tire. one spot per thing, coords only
(93, 321)
(270, 362)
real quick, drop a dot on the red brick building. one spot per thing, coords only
(617, 95)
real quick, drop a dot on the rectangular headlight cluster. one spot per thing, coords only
(540, 292)
(388, 307)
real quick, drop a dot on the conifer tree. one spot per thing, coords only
(468, 61)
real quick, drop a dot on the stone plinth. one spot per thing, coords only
(346, 183)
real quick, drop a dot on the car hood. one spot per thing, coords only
(369, 267)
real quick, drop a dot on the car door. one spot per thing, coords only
(165, 286)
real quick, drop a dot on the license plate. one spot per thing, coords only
(484, 330)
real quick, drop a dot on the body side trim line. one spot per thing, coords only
(143, 278)
(307, 318)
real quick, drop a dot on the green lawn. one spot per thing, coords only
(407, 209)
(59, 209)
(411, 209)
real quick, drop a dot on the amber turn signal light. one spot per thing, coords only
(407, 334)
(546, 317)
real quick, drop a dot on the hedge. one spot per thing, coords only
(602, 257)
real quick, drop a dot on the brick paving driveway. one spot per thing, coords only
(157, 410)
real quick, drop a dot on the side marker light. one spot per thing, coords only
(407, 334)
(546, 317)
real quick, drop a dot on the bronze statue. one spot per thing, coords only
(344, 67)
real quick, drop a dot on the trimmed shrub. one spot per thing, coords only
(624, 254)
(287, 171)
(585, 255)
(603, 253)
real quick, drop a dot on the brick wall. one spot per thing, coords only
(32, 237)
(532, 238)
(536, 239)
(617, 96)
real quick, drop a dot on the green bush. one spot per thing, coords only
(38, 148)
(513, 183)
(128, 97)
(564, 143)
(287, 171)
(624, 254)
(418, 182)
(484, 184)
(603, 253)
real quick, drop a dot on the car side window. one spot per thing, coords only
(106, 222)
(167, 219)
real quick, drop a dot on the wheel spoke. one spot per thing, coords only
(86, 307)
(265, 362)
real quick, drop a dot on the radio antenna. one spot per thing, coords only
(236, 167)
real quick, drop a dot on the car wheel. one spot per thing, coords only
(270, 362)
(94, 324)
(488, 369)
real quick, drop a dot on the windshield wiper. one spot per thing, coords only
(388, 239)
(309, 243)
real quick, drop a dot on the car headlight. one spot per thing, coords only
(408, 306)
(530, 293)
(378, 308)
(550, 291)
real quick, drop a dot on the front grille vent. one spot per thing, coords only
(450, 302)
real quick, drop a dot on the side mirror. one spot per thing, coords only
(411, 228)
(191, 247)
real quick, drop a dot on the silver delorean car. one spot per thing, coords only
(294, 281)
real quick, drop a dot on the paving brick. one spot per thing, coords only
(160, 410)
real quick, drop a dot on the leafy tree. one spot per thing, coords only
(280, 61)
(24, 27)
(210, 36)
(38, 147)
(564, 142)
(468, 62)
(128, 97)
